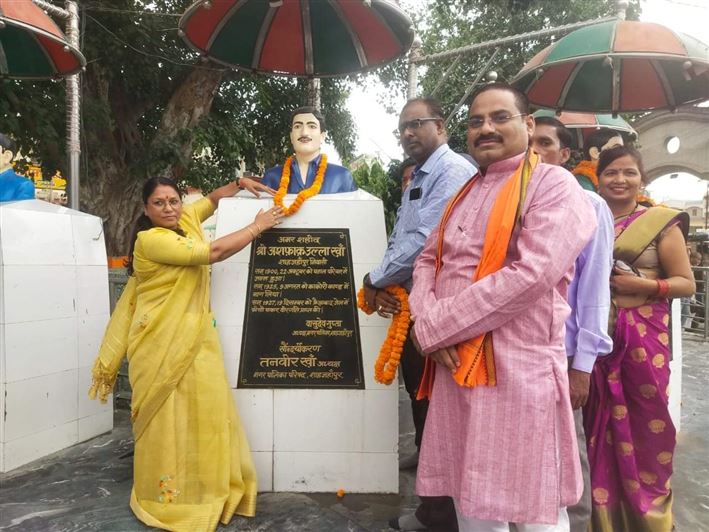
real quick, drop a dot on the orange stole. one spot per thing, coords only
(477, 361)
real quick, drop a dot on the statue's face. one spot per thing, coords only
(613, 142)
(305, 135)
(5, 158)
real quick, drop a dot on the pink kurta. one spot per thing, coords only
(506, 453)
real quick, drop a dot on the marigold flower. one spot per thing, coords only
(303, 195)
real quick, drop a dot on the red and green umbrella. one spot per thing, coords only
(618, 66)
(584, 124)
(31, 44)
(313, 38)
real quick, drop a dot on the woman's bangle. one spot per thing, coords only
(258, 228)
(251, 231)
(663, 288)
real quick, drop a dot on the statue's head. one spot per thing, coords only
(307, 131)
(601, 140)
(8, 149)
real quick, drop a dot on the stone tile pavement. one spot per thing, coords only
(86, 487)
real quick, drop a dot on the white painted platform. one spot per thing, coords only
(53, 311)
(309, 440)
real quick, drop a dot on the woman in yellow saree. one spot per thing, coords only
(192, 464)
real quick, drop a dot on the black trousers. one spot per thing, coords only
(412, 369)
(437, 513)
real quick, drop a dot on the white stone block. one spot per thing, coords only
(256, 410)
(89, 245)
(92, 426)
(36, 348)
(329, 472)
(91, 329)
(380, 429)
(313, 439)
(36, 237)
(91, 290)
(39, 292)
(318, 420)
(263, 461)
(228, 297)
(31, 447)
(2, 409)
(54, 307)
(38, 404)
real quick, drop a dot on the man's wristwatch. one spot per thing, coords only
(367, 282)
(237, 180)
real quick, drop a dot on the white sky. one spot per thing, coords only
(375, 126)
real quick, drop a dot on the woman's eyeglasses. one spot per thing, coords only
(160, 204)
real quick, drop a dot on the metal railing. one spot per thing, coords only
(695, 309)
(117, 279)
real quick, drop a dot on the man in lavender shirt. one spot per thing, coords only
(589, 299)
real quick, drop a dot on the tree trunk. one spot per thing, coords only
(113, 190)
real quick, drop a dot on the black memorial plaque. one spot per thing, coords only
(300, 327)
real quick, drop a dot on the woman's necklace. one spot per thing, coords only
(635, 207)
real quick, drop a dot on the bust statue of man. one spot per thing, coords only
(12, 186)
(598, 141)
(306, 135)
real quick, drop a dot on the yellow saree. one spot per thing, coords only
(192, 465)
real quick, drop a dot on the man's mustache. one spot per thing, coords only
(484, 138)
(304, 138)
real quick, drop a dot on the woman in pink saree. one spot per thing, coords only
(630, 435)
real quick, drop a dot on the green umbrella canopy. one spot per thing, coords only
(313, 38)
(31, 44)
(618, 66)
(584, 124)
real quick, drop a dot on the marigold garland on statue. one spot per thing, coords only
(390, 352)
(303, 195)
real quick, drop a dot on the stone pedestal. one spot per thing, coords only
(313, 440)
(53, 312)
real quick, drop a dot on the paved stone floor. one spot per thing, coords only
(87, 486)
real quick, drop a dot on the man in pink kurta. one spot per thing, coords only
(505, 453)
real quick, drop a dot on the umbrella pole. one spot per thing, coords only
(314, 92)
(73, 109)
(73, 102)
(414, 56)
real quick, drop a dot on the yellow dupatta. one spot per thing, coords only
(477, 362)
(192, 464)
(158, 323)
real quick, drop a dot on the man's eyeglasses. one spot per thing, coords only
(413, 125)
(498, 119)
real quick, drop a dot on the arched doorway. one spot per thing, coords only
(674, 142)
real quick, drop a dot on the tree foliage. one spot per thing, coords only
(386, 185)
(151, 107)
(445, 25)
